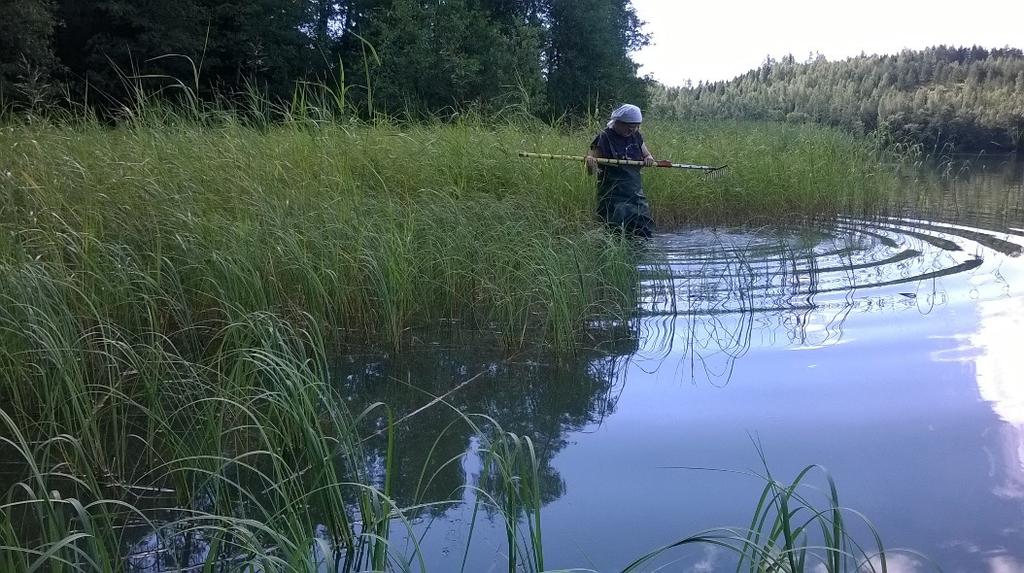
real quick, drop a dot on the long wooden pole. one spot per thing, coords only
(604, 161)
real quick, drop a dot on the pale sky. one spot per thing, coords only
(721, 39)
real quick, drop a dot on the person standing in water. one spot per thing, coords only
(621, 203)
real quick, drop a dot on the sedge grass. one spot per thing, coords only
(379, 228)
(791, 532)
(203, 223)
(240, 465)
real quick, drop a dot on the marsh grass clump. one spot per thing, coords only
(155, 449)
(375, 230)
(130, 452)
(797, 526)
(246, 457)
(776, 173)
(378, 229)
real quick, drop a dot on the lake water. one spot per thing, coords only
(889, 351)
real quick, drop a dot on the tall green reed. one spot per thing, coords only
(358, 228)
(381, 228)
(259, 439)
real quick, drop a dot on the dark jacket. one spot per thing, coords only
(620, 197)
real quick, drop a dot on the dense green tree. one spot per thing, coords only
(964, 98)
(26, 54)
(322, 21)
(262, 41)
(587, 54)
(106, 45)
(114, 46)
(436, 55)
(419, 56)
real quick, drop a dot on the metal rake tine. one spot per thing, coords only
(715, 172)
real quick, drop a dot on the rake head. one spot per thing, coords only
(715, 172)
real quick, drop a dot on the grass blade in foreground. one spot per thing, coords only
(781, 538)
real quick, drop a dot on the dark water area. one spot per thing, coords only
(890, 351)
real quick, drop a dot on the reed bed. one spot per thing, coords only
(777, 173)
(246, 460)
(376, 229)
(172, 288)
(372, 230)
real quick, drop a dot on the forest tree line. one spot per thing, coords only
(965, 99)
(395, 56)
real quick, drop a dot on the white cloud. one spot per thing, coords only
(896, 563)
(1005, 564)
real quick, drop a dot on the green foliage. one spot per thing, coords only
(380, 229)
(258, 40)
(173, 285)
(967, 98)
(377, 230)
(400, 57)
(587, 56)
(26, 56)
(442, 55)
(775, 171)
(118, 47)
(794, 529)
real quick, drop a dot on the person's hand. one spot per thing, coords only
(591, 163)
(649, 161)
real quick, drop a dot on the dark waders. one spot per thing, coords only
(621, 203)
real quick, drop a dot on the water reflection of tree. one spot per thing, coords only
(704, 313)
(530, 394)
(976, 190)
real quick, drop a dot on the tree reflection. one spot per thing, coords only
(530, 394)
(713, 294)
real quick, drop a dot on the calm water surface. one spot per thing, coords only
(889, 351)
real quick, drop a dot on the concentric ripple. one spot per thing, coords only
(709, 296)
(705, 271)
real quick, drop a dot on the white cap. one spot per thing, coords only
(627, 113)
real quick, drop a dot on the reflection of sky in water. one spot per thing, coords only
(995, 351)
(1000, 368)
